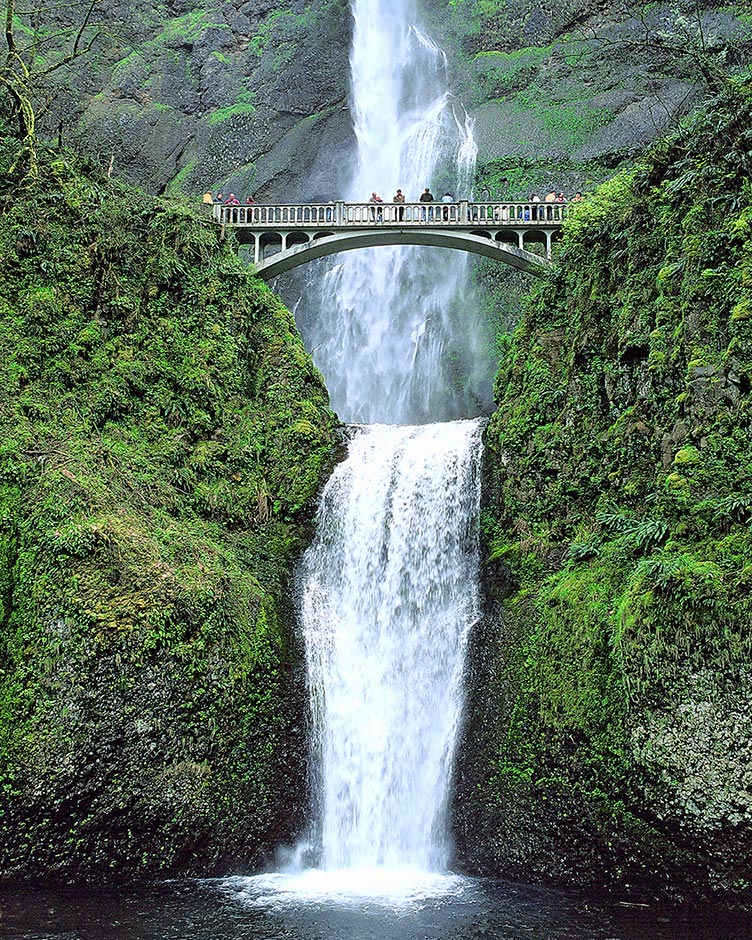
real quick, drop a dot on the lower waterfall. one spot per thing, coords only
(389, 592)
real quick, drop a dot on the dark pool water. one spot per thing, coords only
(270, 908)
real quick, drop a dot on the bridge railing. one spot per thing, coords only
(353, 215)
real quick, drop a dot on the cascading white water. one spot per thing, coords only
(390, 591)
(390, 333)
(389, 585)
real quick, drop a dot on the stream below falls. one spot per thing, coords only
(255, 909)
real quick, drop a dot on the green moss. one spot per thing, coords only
(132, 64)
(228, 113)
(568, 122)
(617, 532)
(687, 457)
(177, 183)
(163, 435)
(503, 73)
(189, 26)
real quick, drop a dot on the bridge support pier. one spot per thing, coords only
(548, 233)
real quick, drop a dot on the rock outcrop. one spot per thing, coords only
(611, 706)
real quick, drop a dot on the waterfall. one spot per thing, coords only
(391, 331)
(389, 586)
(390, 591)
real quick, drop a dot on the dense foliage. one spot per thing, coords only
(162, 435)
(614, 741)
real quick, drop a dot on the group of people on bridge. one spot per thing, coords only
(539, 212)
(535, 209)
(232, 200)
(399, 200)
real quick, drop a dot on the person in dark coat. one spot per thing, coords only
(399, 201)
(427, 196)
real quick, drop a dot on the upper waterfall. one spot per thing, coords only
(391, 329)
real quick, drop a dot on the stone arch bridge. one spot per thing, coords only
(285, 236)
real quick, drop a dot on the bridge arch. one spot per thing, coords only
(294, 238)
(297, 234)
(323, 244)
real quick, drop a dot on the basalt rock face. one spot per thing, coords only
(248, 97)
(252, 95)
(610, 711)
(562, 92)
(163, 436)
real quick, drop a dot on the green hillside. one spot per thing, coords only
(611, 713)
(162, 435)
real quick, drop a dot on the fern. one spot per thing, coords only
(661, 568)
(584, 550)
(648, 532)
(736, 508)
(613, 520)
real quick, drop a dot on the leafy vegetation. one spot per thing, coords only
(618, 538)
(163, 434)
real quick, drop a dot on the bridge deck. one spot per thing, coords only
(284, 236)
(348, 215)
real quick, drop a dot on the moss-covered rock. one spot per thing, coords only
(162, 436)
(611, 709)
(213, 95)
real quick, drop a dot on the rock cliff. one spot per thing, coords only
(252, 95)
(611, 703)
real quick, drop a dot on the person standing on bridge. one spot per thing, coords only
(447, 198)
(232, 201)
(548, 198)
(375, 198)
(427, 196)
(399, 201)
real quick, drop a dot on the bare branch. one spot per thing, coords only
(667, 37)
(74, 54)
(82, 30)
(10, 38)
(23, 76)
